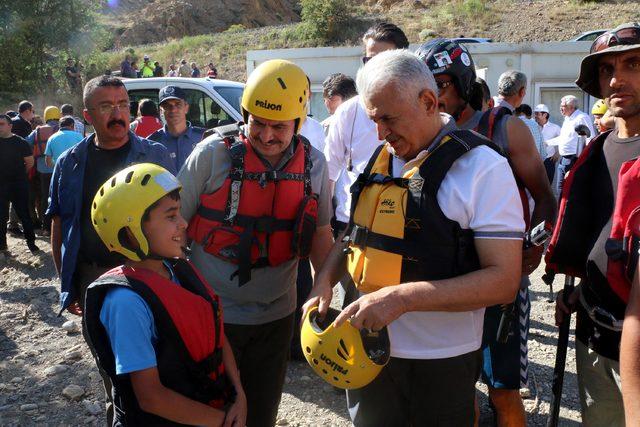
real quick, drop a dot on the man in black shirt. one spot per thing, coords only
(79, 254)
(21, 124)
(15, 161)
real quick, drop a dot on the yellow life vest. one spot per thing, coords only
(397, 232)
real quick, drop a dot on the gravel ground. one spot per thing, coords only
(48, 377)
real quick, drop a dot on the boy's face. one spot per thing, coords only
(166, 229)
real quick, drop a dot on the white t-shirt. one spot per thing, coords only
(480, 193)
(567, 141)
(351, 134)
(313, 131)
(550, 131)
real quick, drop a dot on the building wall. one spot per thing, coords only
(551, 68)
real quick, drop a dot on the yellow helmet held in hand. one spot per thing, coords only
(121, 202)
(276, 90)
(345, 357)
(599, 108)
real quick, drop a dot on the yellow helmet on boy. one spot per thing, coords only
(121, 202)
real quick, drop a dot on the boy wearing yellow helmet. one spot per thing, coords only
(257, 200)
(153, 324)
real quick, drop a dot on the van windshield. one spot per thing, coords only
(231, 94)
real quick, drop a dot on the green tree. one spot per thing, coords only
(37, 34)
(325, 19)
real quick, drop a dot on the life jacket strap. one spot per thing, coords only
(237, 151)
(600, 316)
(365, 238)
(244, 275)
(308, 164)
(265, 224)
(273, 176)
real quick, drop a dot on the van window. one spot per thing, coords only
(232, 95)
(203, 111)
(135, 96)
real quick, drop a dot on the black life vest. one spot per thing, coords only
(397, 231)
(258, 217)
(188, 321)
(581, 218)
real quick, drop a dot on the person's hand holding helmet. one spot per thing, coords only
(320, 296)
(374, 311)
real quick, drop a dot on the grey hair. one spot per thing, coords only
(510, 82)
(398, 67)
(569, 100)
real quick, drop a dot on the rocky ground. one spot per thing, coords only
(47, 375)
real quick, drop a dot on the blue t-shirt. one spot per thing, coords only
(131, 328)
(60, 142)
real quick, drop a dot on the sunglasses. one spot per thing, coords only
(444, 84)
(629, 35)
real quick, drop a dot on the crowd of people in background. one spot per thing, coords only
(75, 74)
(131, 69)
(37, 141)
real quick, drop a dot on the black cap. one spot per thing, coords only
(171, 92)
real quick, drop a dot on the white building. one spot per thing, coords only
(551, 68)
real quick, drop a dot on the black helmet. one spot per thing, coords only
(445, 56)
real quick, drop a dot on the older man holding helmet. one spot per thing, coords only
(432, 240)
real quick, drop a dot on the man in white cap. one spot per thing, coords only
(549, 130)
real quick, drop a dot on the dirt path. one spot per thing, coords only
(47, 375)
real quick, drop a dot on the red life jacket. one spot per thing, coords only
(188, 321)
(259, 217)
(146, 125)
(623, 243)
(486, 127)
(573, 236)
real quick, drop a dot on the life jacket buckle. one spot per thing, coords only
(359, 236)
(604, 318)
(615, 249)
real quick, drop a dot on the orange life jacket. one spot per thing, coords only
(259, 217)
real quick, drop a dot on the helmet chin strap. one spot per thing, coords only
(150, 255)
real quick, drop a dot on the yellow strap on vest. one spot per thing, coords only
(381, 209)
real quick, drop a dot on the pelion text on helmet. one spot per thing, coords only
(269, 106)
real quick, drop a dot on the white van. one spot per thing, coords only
(212, 102)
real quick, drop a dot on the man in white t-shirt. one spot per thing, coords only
(336, 89)
(460, 250)
(352, 136)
